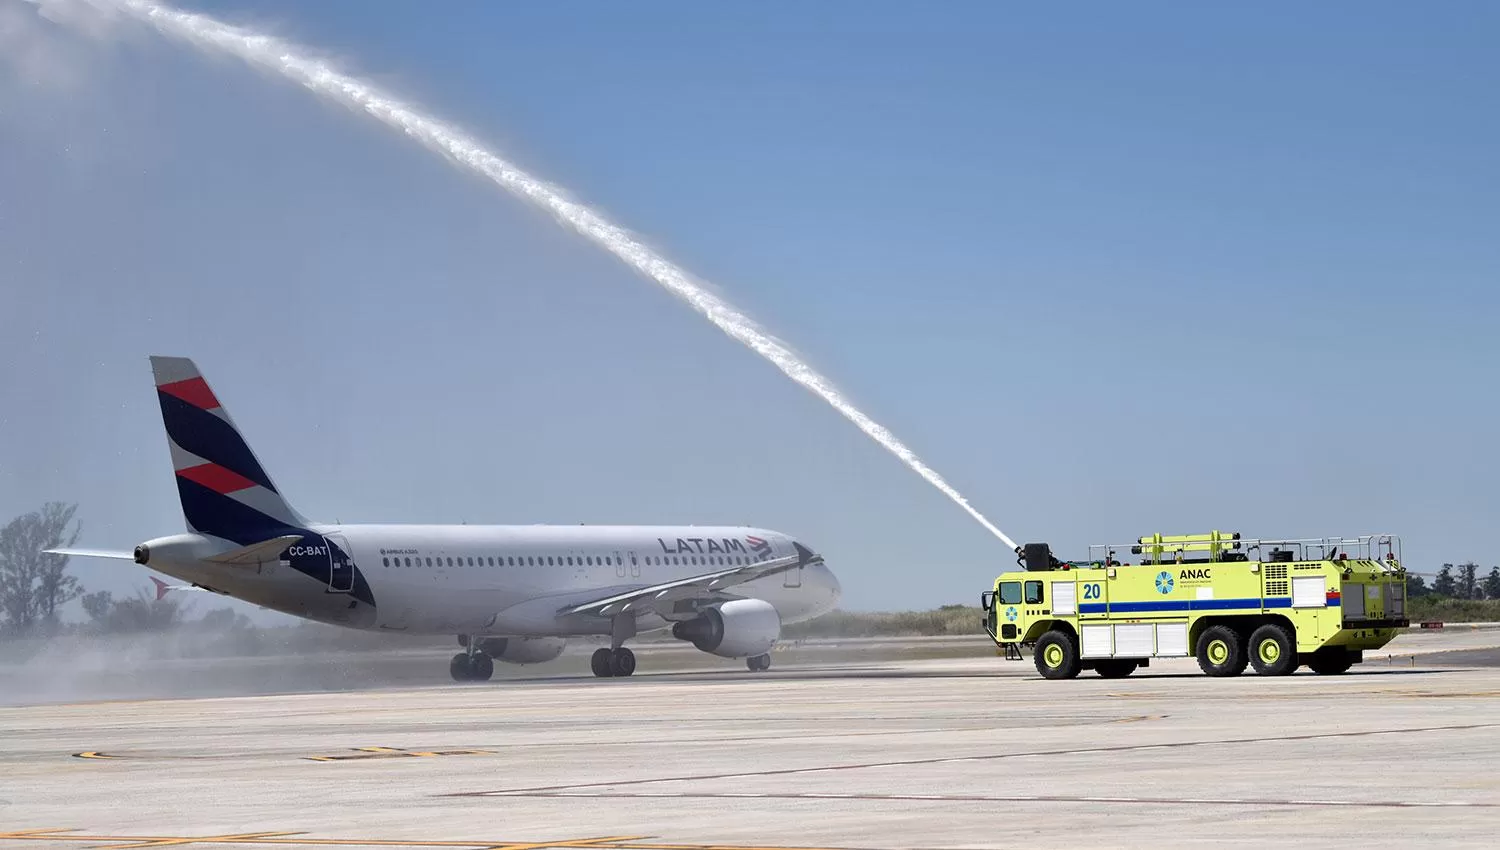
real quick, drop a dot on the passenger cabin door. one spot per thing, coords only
(620, 565)
(340, 564)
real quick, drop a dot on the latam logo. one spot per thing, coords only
(712, 546)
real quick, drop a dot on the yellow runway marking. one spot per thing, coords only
(212, 839)
(297, 839)
(361, 753)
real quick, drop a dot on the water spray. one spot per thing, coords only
(298, 65)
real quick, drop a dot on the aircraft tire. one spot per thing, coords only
(481, 668)
(621, 662)
(601, 663)
(459, 669)
(757, 663)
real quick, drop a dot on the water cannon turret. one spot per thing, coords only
(1037, 557)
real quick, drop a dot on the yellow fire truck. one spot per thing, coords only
(1274, 604)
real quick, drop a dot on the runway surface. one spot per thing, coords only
(962, 752)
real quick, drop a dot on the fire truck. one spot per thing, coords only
(1229, 602)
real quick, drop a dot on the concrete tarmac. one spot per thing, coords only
(937, 753)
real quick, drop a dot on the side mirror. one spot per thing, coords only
(987, 600)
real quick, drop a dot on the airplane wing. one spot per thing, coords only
(646, 598)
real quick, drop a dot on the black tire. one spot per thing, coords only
(600, 663)
(1221, 651)
(481, 668)
(1272, 651)
(459, 669)
(621, 662)
(757, 663)
(1056, 655)
(1115, 668)
(1331, 661)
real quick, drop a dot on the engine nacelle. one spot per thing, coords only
(741, 628)
(522, 650)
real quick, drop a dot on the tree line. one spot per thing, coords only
(1456, 582)
(35, 586)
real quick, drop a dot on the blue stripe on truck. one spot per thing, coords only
(1187, 605)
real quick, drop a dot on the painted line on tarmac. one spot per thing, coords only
(794, 771)
(299, 839)
(1008, 798)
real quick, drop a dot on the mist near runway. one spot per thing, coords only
(195, 661)
(201, 659)
(299, 65)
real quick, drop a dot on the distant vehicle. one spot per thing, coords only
(512, 593)
(1296, 602)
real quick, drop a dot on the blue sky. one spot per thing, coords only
(1111, 270)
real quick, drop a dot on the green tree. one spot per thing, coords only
(1416, 587)
(98, 605)
(33, 584)
(1468, 581)
(1444, 585)
(1492, 584)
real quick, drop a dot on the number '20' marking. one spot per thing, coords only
(1091, 591)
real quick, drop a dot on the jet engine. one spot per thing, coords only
(522, 650)
(740, 628)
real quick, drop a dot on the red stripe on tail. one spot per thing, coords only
(194, 391)
(216, 478)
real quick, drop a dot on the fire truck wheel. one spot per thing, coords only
(1115, 668)
(1330, 661)
(1272, 652)
(1221, 651)
(1057, 655)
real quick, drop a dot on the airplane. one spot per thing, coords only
(512, 593)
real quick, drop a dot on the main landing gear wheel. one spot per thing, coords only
(599, 663)
(757, 663)
(471, 668)
(1272, 652)
(609, 663)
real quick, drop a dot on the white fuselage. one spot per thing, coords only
(498, 580)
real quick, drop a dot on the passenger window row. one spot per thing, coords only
(564, 560)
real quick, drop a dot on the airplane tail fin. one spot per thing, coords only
(225, 491)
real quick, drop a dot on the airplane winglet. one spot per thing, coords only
(161, 587)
